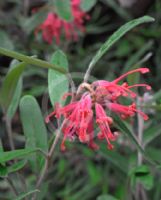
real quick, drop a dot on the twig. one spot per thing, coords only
(12, 186)
(72, 84)
(48, 159)
(139, 188)
(140, 135)
(73, 88)
(88, 72)
(12, 146)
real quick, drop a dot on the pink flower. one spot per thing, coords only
(113, 90)
(54, 26)
(104, 123)
(93, 101)
(78, 116)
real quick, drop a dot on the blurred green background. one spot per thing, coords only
(80, 173)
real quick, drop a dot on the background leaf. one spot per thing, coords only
(57, 82)
(106, 197)
(5, 41)
(63, 9)
(9, 85)
(3, 170)
(15, 154)
(115, 158)
(124, 129)
(34, 129)
(16, 166)
(17, 94)
(34, 21)
(117, 35)
(22, 196)
(142, 175)
(87, 5)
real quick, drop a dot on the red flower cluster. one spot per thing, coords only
(53, 26)
(89, 106)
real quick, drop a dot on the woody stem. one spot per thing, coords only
(48, 160)
(140, 192)
(86, 86)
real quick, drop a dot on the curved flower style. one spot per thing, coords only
(90, 107)
(54, 26)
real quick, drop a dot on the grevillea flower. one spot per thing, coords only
(54, 26)
(90, 106)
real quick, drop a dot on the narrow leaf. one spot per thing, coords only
(57, 82)
(9, 85)
(5, 41)
(15, 100)
(16, 166)
(1, 146)
(34, 21)
(124, 129)
(63, 9)
(106, 197)
(115, 158)
(117, 35)
(87, 5)
(122, 126)
(17, 94)
(30, 60)
(151, 133)
(11, 155)
(22, 196)
(34, 128)
(3, 170)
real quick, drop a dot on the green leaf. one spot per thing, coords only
(124, 129)
(154, 154)
(3, 170)
(86, 5)
(9, 85)
(34, 21)
(22, 196)
(63, 9)
(142, 175)
(57, 82)
(118, 9)
(16, 166)
(106, 197)
(115, 159)
(5, 41)
(157, 95)
(117, 35)
(151, 133)
(34, 128)
(93, 172)
(17, 94)
(15, 154)
(1, 146)
(15, 100)
(137, 56)
(30, 60)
